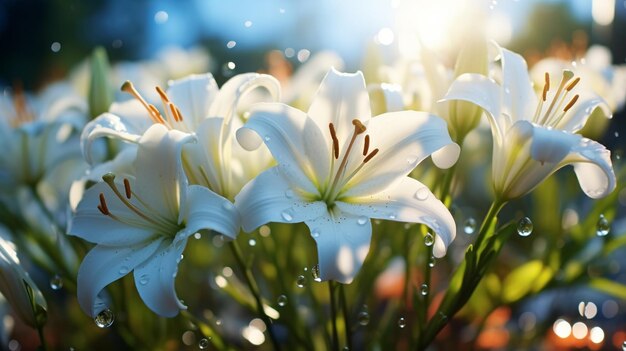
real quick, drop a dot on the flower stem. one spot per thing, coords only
(333, 314)
(495, 208)
(42, 339)
(255, 292)
(346, 315)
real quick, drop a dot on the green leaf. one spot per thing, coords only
(100, 90)
(610, 287)
(529, 277)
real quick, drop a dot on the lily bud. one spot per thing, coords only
(100, 88)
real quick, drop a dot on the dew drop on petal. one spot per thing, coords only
(267, 138)
(56, 282)
(524, 227)
(392, 216)
(282, 300)
(286, 214)
(362, 220)
(401, 322)
(289, 193)
(203, 344)
(470, 226)
(123, 270)
(105, 318)
(424, 289)
(144, 279)
(429, 239)
(422, 193)
(602, 227)
(315, 233)
(300, 281)
(315, 272)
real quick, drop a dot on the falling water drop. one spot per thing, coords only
(315, 272)
(424, 289)
(602, 227)
(282, 300)
(401, 322)
(300, 281)
(105, 318)
(56, 282)
(524, 226)
(363, 318)
(470, 226)
(203, 344)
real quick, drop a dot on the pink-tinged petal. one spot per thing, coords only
(343, 241)
(485, 93)
(193, 95)
(593, 167)
(106, 264)
(407, 201)
(90, 224)
(341, 98)
(155, 279)
(205, 209)
(518, 97)
(294, 139)
(404, 139)
(270, 198)
(159, 172)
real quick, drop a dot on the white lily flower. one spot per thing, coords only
(533, 136)
(337, 168)
(194, 105)
(141, 224)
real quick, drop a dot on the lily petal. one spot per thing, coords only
(405, 139)
(270, 198)
(155, 279)
(159, 169)
(341, 98)
(392, 94)
(204, 155)
(205, 209)
(106, 125)
(106, 264)
(343, 241)
(593, 167)
(550, 145)
(408, 201)
(485, 93)
(193, 95)
(518, 98)
(577, 117)
(294, 139)
(90, 224)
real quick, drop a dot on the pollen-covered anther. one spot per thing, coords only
(366, 145)
(370, 156)
(127, 189)
(571, 103)
(573, 84)
(162, 94)
(333, 135)
(129, 88)
(546, 86)
(103, 205)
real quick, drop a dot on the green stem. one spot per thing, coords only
(333, 315)
(42, 339)
(249, 277)
(495, 208)
(346, 315)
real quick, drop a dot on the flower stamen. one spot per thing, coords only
(103, 206)
(366, 145)
(154, 113)
(127, 188)
(571, 103)
(333, 135)
(370, 156)
(546, 86)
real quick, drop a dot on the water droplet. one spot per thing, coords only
(624, 346)
(424, 289)
(105, 318)
(422, 193)
(363, 318)
(431, 262)
(267, 138)
(392, 216)
(56, 282)
(617, 134)
(401, 322)
(362, 220)
(123, 270)
(315, 272)
(55, 47)
(429, 240)
(524, 226)
(470, 226)
(602, 227)
(315, 233)
(203, 344)
(231, 44)
(252, 242)
(300, 281)
(282, 300)
(289, 193)
(287, 215)
(144, 279)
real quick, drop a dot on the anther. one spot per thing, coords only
(178, 114)
(546, 86)
(127, 188)
(173, 109)
(573, 84)
(366, 146)
(162, 94)
(371, 155)
(152, 111)
(571, 103)
(156, 114)
(333, 135)
(103, 206)
(358, 126)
